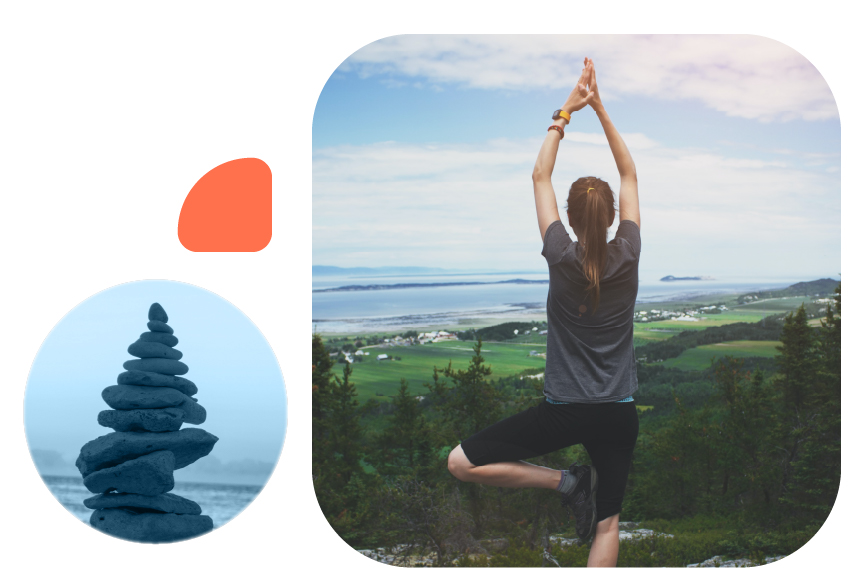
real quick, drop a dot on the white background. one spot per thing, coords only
(109, 115)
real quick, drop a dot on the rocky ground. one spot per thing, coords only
(413, 556)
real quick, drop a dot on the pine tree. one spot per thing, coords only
(341, 485)
(404, 447)
(472, 404)
(798, 365)
(469, 406)
(816, 469)
(744, 442)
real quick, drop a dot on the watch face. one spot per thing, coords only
(556, 115)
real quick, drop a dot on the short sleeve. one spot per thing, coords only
(628, 233)
(556, 241)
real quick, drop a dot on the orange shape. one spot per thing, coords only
(229, 209)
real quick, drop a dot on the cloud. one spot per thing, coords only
(743, 76)
(455, 205)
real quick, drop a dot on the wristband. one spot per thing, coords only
(557, 128)
(560, 114)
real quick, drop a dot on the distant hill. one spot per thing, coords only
(816, 288)
(389, 270)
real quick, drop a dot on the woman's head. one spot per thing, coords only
(591, 211)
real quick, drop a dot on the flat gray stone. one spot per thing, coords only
(159, 365)
(159, 337)
(156, 326)
(153, 350)
(138, 378)
(150, 527)
(194, 413)
(188, 445)
(144, 420)
(166, 503)
(127, 397)
(156, 313)
(149, 475)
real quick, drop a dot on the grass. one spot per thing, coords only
(699, 358)
(417, 362)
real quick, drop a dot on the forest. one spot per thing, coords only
(741, 459)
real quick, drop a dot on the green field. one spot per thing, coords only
(417, 362)
(699, 358)
(656, 331)
(381, 380)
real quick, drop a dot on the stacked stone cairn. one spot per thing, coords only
(132, 468)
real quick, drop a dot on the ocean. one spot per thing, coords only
(421, 306)
(221, 502)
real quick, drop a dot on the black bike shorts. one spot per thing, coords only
(607, 431)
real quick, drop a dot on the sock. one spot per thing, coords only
(568, 482)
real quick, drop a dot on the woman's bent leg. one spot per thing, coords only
(515, 474)
(604, 549)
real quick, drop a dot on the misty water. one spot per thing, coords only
(221, 502)
(426, 305)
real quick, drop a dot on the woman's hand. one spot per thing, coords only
(580, 96)
(593, 91)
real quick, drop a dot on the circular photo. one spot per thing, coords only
(155, 411)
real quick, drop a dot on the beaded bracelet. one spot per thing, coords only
(557, 128)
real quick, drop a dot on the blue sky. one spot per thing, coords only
(239, 380)
(423, 148)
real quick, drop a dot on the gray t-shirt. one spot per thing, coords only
(589, 356)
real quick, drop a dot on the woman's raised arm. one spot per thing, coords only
(628, 197)
(544, 194)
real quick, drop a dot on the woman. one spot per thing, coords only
(590, 365)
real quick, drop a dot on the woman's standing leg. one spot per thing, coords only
(604, 549)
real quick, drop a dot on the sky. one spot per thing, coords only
(423, 148)
(239, 380)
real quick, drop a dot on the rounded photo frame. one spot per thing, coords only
(155, 411)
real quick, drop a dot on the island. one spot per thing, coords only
(693, 278)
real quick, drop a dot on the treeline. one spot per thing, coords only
(767, 329)
(757, 460)
(658, 386)
(501, 332)
(348, 344)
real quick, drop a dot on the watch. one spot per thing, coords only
(560, 114)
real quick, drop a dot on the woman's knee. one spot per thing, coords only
(609, 525)
(458, 464)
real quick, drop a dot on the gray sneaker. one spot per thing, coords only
(582, 500)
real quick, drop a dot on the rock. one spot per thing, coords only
(717, 561)
(150, 527)
(159, 337)
(495, 545)
(145, 420)
(147, 475)
(188, 445)
(159, 365)
(637, 533)
(153, 350)
(194, 413)
(167, 503)
(156, 326)
(156, 313)
(138, 378)
(126, 397)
